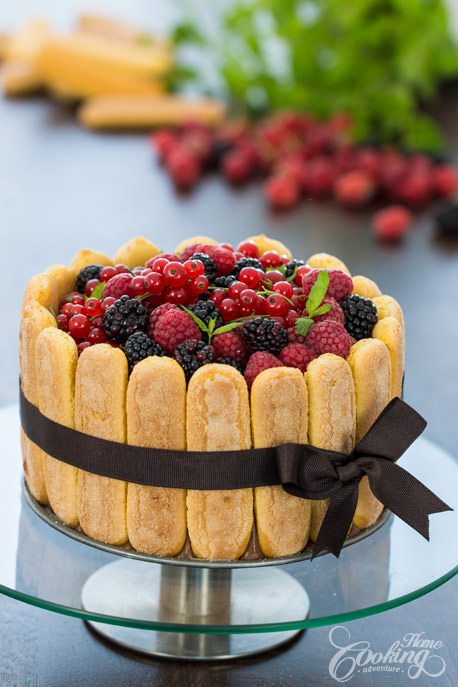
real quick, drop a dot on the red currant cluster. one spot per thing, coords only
(298, 157)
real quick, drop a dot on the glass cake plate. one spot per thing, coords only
(192, 609)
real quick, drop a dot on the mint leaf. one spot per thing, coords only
(53, 313)
(303, 325)
(97, 293)
(280, 268)
(227, 328)
(317, 292)
(200, 323)
(322, 310)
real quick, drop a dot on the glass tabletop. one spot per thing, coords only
(42, 566)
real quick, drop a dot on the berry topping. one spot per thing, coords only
(206, 311)
(156, 314)
(335, 313)
(123, 318)
(296, 355)
(223, 258)
(140, 346)
(192, 354)
(209, 264)
(119, 285)
(258, 362)
(174, 327)
(87, 273)
(391, 223)
(360, 316)
(264, 335)
(340, 283)
(226, 281)
(329, 337)
(231, 362)
(231, 345)
(246, 262)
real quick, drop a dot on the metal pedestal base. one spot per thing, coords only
(194, 596)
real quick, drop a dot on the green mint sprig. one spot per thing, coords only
(53, 312)
(313, 305)
(97, 293)
(209, 329)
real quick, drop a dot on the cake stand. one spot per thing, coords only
(195, 610)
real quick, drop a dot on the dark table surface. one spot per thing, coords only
(63, 188)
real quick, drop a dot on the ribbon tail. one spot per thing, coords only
(337, 520)
(411, 500)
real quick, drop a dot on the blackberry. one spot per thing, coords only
(219, 150)
(125, 317)
(192, 354)
(447, 220)
(206, 311)
(87, 273)
(230, 361)
(246, 262)
(140, 346)
(360, 316)
(210, 265)
(225, 282)
(264, 335)
(291, 267)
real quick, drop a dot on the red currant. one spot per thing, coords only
(155, 282)
(272, 276)
(301, 272)
(107, 273)
(120, 268)
(290, 317)
(250, 276)
(227, 246)
(171, 257)
(194, 268)
(78, 299)
(69, 309)
(280, 320)
(198, 285)
(90, 286)
(175, 273)
(276, 305)
(246, 310)
(228, 309)
(96, 335)
(83, 345)
(176, 295)
(79, 326)
(248, 298)
(139, 286)
(270, 259)
(157, 264)
(93, 307)
(218, 296)
(284, 288)
(96, 321)
(236, 289)
(62, 321)
(249, 249)
(138, 271)
(260, 306)
(106, 303)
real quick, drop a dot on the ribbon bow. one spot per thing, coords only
(313, 473)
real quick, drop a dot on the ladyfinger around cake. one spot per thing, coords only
(209, 348)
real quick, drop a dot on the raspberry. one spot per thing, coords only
(230, 345)
(360, 316)
(282, 191)
(174, 327)
(206, 311)
(86, 274)
(224, 259)
(329, 337)
(259, 362)
(156, 314)
(192, 354)
(416, 188)
(231, 362)
(294, 336)
(117, 286)
(189, 251)
(210, 265)
(340, 283)
(237, 166)
(246, 262)
(296, 355)
(336, 312)
(264, 335)
(391, 223)
(183, 167)
(125, 317)
(318, 176)
(140, 346)
(163, 141)
(445, 180)
(353, 188)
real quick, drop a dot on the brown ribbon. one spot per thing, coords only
(303, 470)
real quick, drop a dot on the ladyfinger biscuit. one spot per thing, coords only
(279, 416)
(389, 307)
(327, 262)
(65, 279)
(218, 419)
(105, 26)
(265, 243)
(35, 318)
(365, 287)
(100, 410)
(332, 415)
(41, 289)
(57, 356)
(20, 78)
(204, 240)
(390, 331)
(86, 257)
(136, 252)
(370, 364)
(156, 405)
(115, 112)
